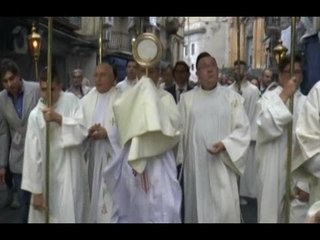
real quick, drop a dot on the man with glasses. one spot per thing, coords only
(77, 87)
(251, 94)
(271, 149)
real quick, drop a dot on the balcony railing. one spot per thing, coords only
(272, 22)
(71, 22)
(119, 42)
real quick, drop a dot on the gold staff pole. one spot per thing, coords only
(238, 80)
(290, 125)
(34, 43)
(49, 65)
(100, 38)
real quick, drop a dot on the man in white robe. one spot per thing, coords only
(143, 178)
(313, 215)
(103, 143)
(308, 134)
(271, 150)
(251, 95)
(67, 177)
(216, 135)
(299, 204)
(131, 79)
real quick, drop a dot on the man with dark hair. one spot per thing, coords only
(266, 79)
(131, 78)
(17, 100)
(215, 136)
(308, 135)
(181, 73)
(68, 194)
(273, 117)
(251, 95)
(167, 79)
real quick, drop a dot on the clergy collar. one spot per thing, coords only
(210, 90)
(105, 93)
(185, 87)
(132, 82)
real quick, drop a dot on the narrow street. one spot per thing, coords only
(7, 214)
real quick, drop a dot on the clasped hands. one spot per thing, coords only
(97, 132)
(216, 148)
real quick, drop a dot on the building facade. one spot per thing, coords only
(69, 49)
(253, 47)
(76, 42)
(120, 32)
(205, 34)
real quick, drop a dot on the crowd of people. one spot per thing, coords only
(158, 147)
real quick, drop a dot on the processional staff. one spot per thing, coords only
(279, 52)
(100, 38)
(48, 103)
(238, 80)
(290, 124)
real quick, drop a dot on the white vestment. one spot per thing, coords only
(126, 84)
(248, 181)
(308, 134)
(142, 179)
(271, 151)
(298, 208)
(210, 181)
(98, 109)
(68, 188)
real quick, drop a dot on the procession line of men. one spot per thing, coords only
(114, 152)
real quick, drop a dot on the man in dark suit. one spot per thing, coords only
(181, 73)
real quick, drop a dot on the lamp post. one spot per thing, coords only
(34, 44)
(238, 80)
(279, 51)
(49, 103)
(100, 39)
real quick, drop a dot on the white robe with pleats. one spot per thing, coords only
(210, 181)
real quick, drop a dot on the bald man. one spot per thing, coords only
(77, 87)
(102, 143)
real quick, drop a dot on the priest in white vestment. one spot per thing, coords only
(216, 134)
(102, 143)
(251, 94)
(299, 203)
(68, 190)
(308, 134)
(271, 150)
(143, 178)
(131, 79)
